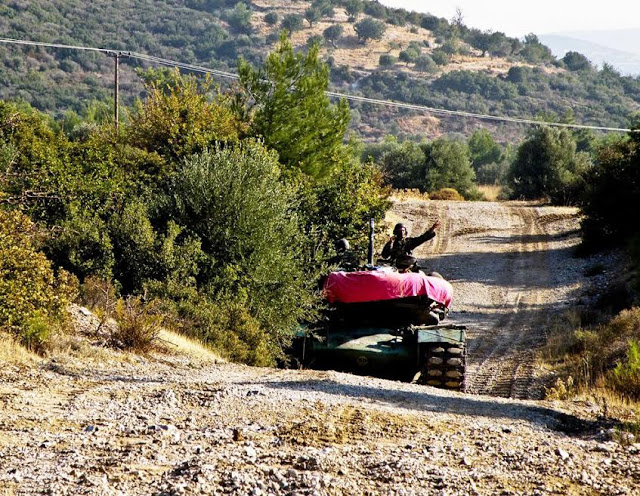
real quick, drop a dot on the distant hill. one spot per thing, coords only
(612, 47)
(419, 59)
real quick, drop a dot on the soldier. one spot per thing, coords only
(399, 246)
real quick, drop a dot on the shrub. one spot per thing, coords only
(387, 60)
(178, 119)
(440, 57)
(138, 324)
(446, 194)
(625, 378)
(271, 18)
(31, 294)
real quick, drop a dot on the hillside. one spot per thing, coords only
(419, 59)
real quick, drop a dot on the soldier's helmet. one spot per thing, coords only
(341, 245)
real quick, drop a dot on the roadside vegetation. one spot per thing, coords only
(197, 214)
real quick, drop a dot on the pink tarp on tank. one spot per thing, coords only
(376, 285)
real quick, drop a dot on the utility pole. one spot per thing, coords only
(116, 87)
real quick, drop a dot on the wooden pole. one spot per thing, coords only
(116, 91)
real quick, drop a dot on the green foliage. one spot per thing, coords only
(312, 15)
(340, 207)
(424, 63)
(292, 112)
(271, 18)
(291, 23)
(548, 166)
(178, 123)
(198, 32)
(354, 8)
(440, 57)
(625, 378)
(369, 29)
(239, 18)
(30, 293)
(488, 159)
(333, 33)
(233, 201)
(409, 56)
(316, 39)
(535, 52)
(613, 189)
(600, 354)
(447, 165)
(576, 61)
(387, 60)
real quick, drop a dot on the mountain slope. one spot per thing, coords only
(446, 66)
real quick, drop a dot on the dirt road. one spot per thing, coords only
(513, 271)
(92, 421)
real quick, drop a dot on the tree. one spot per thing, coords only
(239, 18)
(312, 15)
(370, 29)
(178, 119)
(325, 7)
(447, 165)
(576, 61)
(439, 57)
(353, 8)
(233, 201)
(291, 110)
(483, 149)
(534, 51)
(548, 166)
(271, 18)
(480, 40)
(291, 23)
(333, 33)
(401, 164)
(613, 189)
(487, 157)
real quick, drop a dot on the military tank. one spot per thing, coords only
(383, 322)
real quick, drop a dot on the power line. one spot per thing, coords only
(333, 94)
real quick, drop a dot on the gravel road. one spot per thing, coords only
(163, 424)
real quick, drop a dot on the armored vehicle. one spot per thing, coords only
(387, 323)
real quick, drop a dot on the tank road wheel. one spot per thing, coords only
(444, 366)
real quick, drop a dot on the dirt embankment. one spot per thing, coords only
(165, 425)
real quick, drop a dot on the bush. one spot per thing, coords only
(625, 378)
(446, 194)
(32, 297)
(387, 60)
(137, 324)
(440, 57)
(271, 18)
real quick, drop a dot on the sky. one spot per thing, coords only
(517, 18)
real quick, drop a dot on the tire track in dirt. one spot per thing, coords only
(502, 363)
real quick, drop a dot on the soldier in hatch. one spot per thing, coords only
(400, 247)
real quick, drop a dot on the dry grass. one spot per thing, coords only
(365, 57)
(408, 194)
(490, 191)
(14, 353)
(196, 352)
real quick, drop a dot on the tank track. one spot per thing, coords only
(444, 366)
